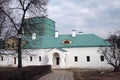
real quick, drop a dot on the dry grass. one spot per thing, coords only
(95, 75)
(85, 74)
(24, 73)
(7, 68)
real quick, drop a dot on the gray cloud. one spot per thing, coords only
(90, 16)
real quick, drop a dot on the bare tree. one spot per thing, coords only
(112, 53)
(15, 12)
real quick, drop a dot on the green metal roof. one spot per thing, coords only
(45, 31)
(63, 50)
(39, 25)
(81, 40)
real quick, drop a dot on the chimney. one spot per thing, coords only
(73, 33)
(33, 36)
(56, 34)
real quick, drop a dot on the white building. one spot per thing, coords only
(43, 45)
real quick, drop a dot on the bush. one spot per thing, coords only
(25, 73)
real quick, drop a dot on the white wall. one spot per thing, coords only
(81, 53)
(7, 60)
(35, 54)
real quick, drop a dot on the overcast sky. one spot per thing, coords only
(89, 16)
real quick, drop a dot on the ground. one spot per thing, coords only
(58, 75)
(85, 74)
(7, 68)
(82, 74)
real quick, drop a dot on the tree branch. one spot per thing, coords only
(16, 8)
(21, 4)
(9, 18)
(1, 24)
(24, 12)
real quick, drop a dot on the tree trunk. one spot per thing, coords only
(117, 69)
(19, 49)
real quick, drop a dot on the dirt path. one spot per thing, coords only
(58, 75)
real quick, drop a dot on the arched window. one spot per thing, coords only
(102, 58)
(39, 58)
(14, 60)
(67, 42)
(30, 58)
(1, 58)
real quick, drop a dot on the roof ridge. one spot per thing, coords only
(76, 34)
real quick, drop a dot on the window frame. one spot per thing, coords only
(40, 58)
(31, 59)
(88, 58)
(14, 60)
(102, 58)
(2, 58)
(76, 58)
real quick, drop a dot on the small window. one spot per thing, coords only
(102, 58)
(88, 58)
(1, 58)
(30, 58)
(39, 58)
(76, 58)
(14, 60)
(67, 42)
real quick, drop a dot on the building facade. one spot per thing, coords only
(42, 45)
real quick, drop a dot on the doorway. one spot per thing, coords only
(56, 59)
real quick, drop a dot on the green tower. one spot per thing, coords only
(40, 25)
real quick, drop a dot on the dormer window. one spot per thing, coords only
(67, 42)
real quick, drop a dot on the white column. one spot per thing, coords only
(62, 62)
